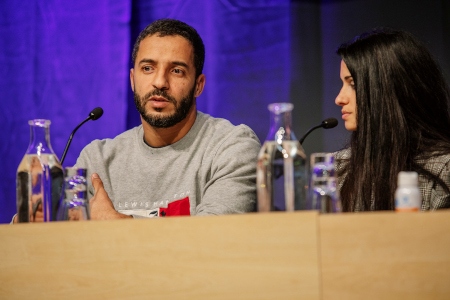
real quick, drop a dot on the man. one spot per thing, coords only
(179, 161)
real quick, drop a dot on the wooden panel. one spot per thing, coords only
(253, 256)
(385, 255)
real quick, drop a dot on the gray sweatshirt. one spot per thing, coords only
(211, 170)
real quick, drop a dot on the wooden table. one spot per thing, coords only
(301, 255)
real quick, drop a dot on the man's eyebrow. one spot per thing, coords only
(146, 60)
(152, 61)
(180, 63)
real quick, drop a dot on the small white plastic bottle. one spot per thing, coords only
(407, 195)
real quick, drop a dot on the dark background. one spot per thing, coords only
(60, 59)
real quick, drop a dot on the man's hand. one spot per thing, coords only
(101, 206)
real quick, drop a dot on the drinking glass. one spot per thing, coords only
(323, 194)
(74, 203)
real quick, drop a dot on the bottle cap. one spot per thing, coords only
(408, 178)
(279, 108)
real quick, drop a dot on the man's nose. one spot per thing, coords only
(160, 80)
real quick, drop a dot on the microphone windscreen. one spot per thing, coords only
(96, 113)
(329, 123)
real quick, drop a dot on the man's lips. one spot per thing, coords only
(158, 99)
(158, 102)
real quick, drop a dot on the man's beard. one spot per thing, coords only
(181, 108)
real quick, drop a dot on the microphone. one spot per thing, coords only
(326, 124)
(95, 114)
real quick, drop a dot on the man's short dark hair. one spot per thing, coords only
(171, 27)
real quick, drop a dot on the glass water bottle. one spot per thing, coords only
(39, 177)
(281, 169)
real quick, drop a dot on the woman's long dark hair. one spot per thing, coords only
(402, 115)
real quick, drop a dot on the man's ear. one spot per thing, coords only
(132, 79)
(199, 85)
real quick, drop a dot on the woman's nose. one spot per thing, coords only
(340, 99)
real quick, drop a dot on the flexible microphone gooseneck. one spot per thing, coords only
(326, 124)
(95, 114)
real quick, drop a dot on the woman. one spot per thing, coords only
(394, 99)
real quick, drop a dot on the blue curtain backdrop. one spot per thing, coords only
(60, 59)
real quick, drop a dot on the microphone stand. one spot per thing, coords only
(70, 139)
(326, 124)
(308, 132)
(93, 115)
